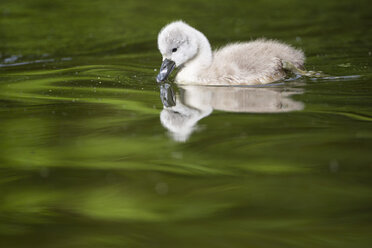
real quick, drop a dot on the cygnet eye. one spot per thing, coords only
(174, 50)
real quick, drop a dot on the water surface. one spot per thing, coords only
(86, 160)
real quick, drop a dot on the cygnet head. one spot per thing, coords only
(178, 44)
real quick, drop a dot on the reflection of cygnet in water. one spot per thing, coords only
(180, 118)
(193, 103)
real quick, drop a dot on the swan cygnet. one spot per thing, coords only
(246, 63)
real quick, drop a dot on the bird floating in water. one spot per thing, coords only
(245, 63)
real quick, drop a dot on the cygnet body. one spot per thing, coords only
(246, 63)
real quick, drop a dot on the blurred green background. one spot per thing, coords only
(85, 161)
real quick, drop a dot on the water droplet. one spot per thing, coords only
(161, 188)
(333, 166)
(44, 172)
(177, 155)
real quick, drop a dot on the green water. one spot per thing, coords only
(85, 160)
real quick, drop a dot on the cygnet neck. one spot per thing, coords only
(201, 61)
(204, 56)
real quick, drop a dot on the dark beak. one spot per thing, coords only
(167, 95)
(166, 68)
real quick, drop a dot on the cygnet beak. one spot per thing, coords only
(167, 95)
(165, 69)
